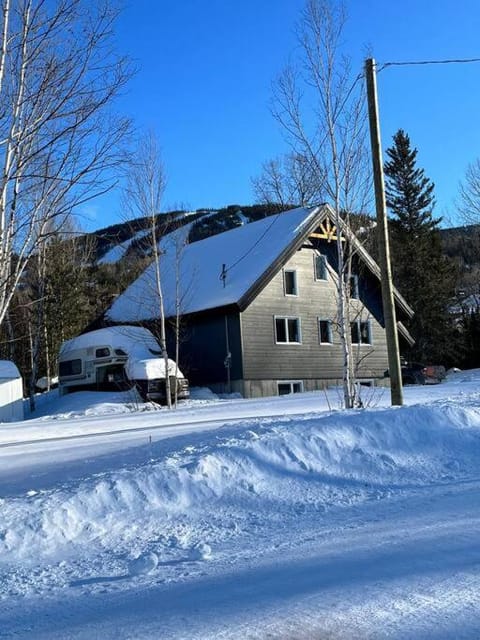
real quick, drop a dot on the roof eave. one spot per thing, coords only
(405, 333)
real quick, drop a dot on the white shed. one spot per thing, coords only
(11, 392)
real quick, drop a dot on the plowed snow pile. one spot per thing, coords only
(267, 469)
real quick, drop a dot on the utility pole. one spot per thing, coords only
(389, 315)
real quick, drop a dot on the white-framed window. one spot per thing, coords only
(354, 293)
(285, 387)
(325, 335)
(361, 332)
(320, 264)
(290, 282)
(287, 330)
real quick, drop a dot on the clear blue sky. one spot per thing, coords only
(204, 85)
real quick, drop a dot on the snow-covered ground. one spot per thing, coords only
(276, 518)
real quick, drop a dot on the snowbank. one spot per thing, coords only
(319, 462)
(226, 518)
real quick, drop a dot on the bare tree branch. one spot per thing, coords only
(59, 142)
(469, 204)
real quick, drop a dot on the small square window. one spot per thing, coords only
(287, 330)
(320, 267)
(325, 331)
(361, 332)
(290, 282)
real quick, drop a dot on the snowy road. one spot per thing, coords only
(406, 568)
(297, 523)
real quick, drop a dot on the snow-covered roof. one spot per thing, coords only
(243, 255)
(8, 370)
(226, 268)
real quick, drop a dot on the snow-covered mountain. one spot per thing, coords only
(131, 238)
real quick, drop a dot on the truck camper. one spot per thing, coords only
(119, 357)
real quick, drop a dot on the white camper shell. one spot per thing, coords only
(118, 358)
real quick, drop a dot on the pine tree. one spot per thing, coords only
(409, 192)
(423, 275)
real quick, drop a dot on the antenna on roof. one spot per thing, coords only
(223, 275)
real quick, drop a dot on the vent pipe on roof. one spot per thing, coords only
(223, 275)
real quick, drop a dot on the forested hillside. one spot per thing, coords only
(462, 244)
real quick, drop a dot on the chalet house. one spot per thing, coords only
(258, 305)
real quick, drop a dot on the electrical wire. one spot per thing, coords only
(426, 62)
(275, 218)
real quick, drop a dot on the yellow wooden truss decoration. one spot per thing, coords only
(326, 231)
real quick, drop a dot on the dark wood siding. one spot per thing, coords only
(205, 348)
(264, 359)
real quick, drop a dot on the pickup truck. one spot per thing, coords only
(416, 373)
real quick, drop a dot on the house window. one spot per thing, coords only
(320, 267)
(289, 386)
(325, 331)
(354, 295)
(287, 330)
(361, 332)
(290, 282)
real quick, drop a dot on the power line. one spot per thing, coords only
(426, 62)
(225, 270)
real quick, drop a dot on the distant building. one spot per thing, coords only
(467, 303)
(259, 305)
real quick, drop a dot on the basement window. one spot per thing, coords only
(289, 386)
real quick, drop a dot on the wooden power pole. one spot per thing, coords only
(389, 315)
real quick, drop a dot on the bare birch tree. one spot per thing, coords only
(144, 192)
(288, 180)
(59, 141)
(469, 204)
(321, 110)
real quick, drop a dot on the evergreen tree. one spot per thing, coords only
(423, 275)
